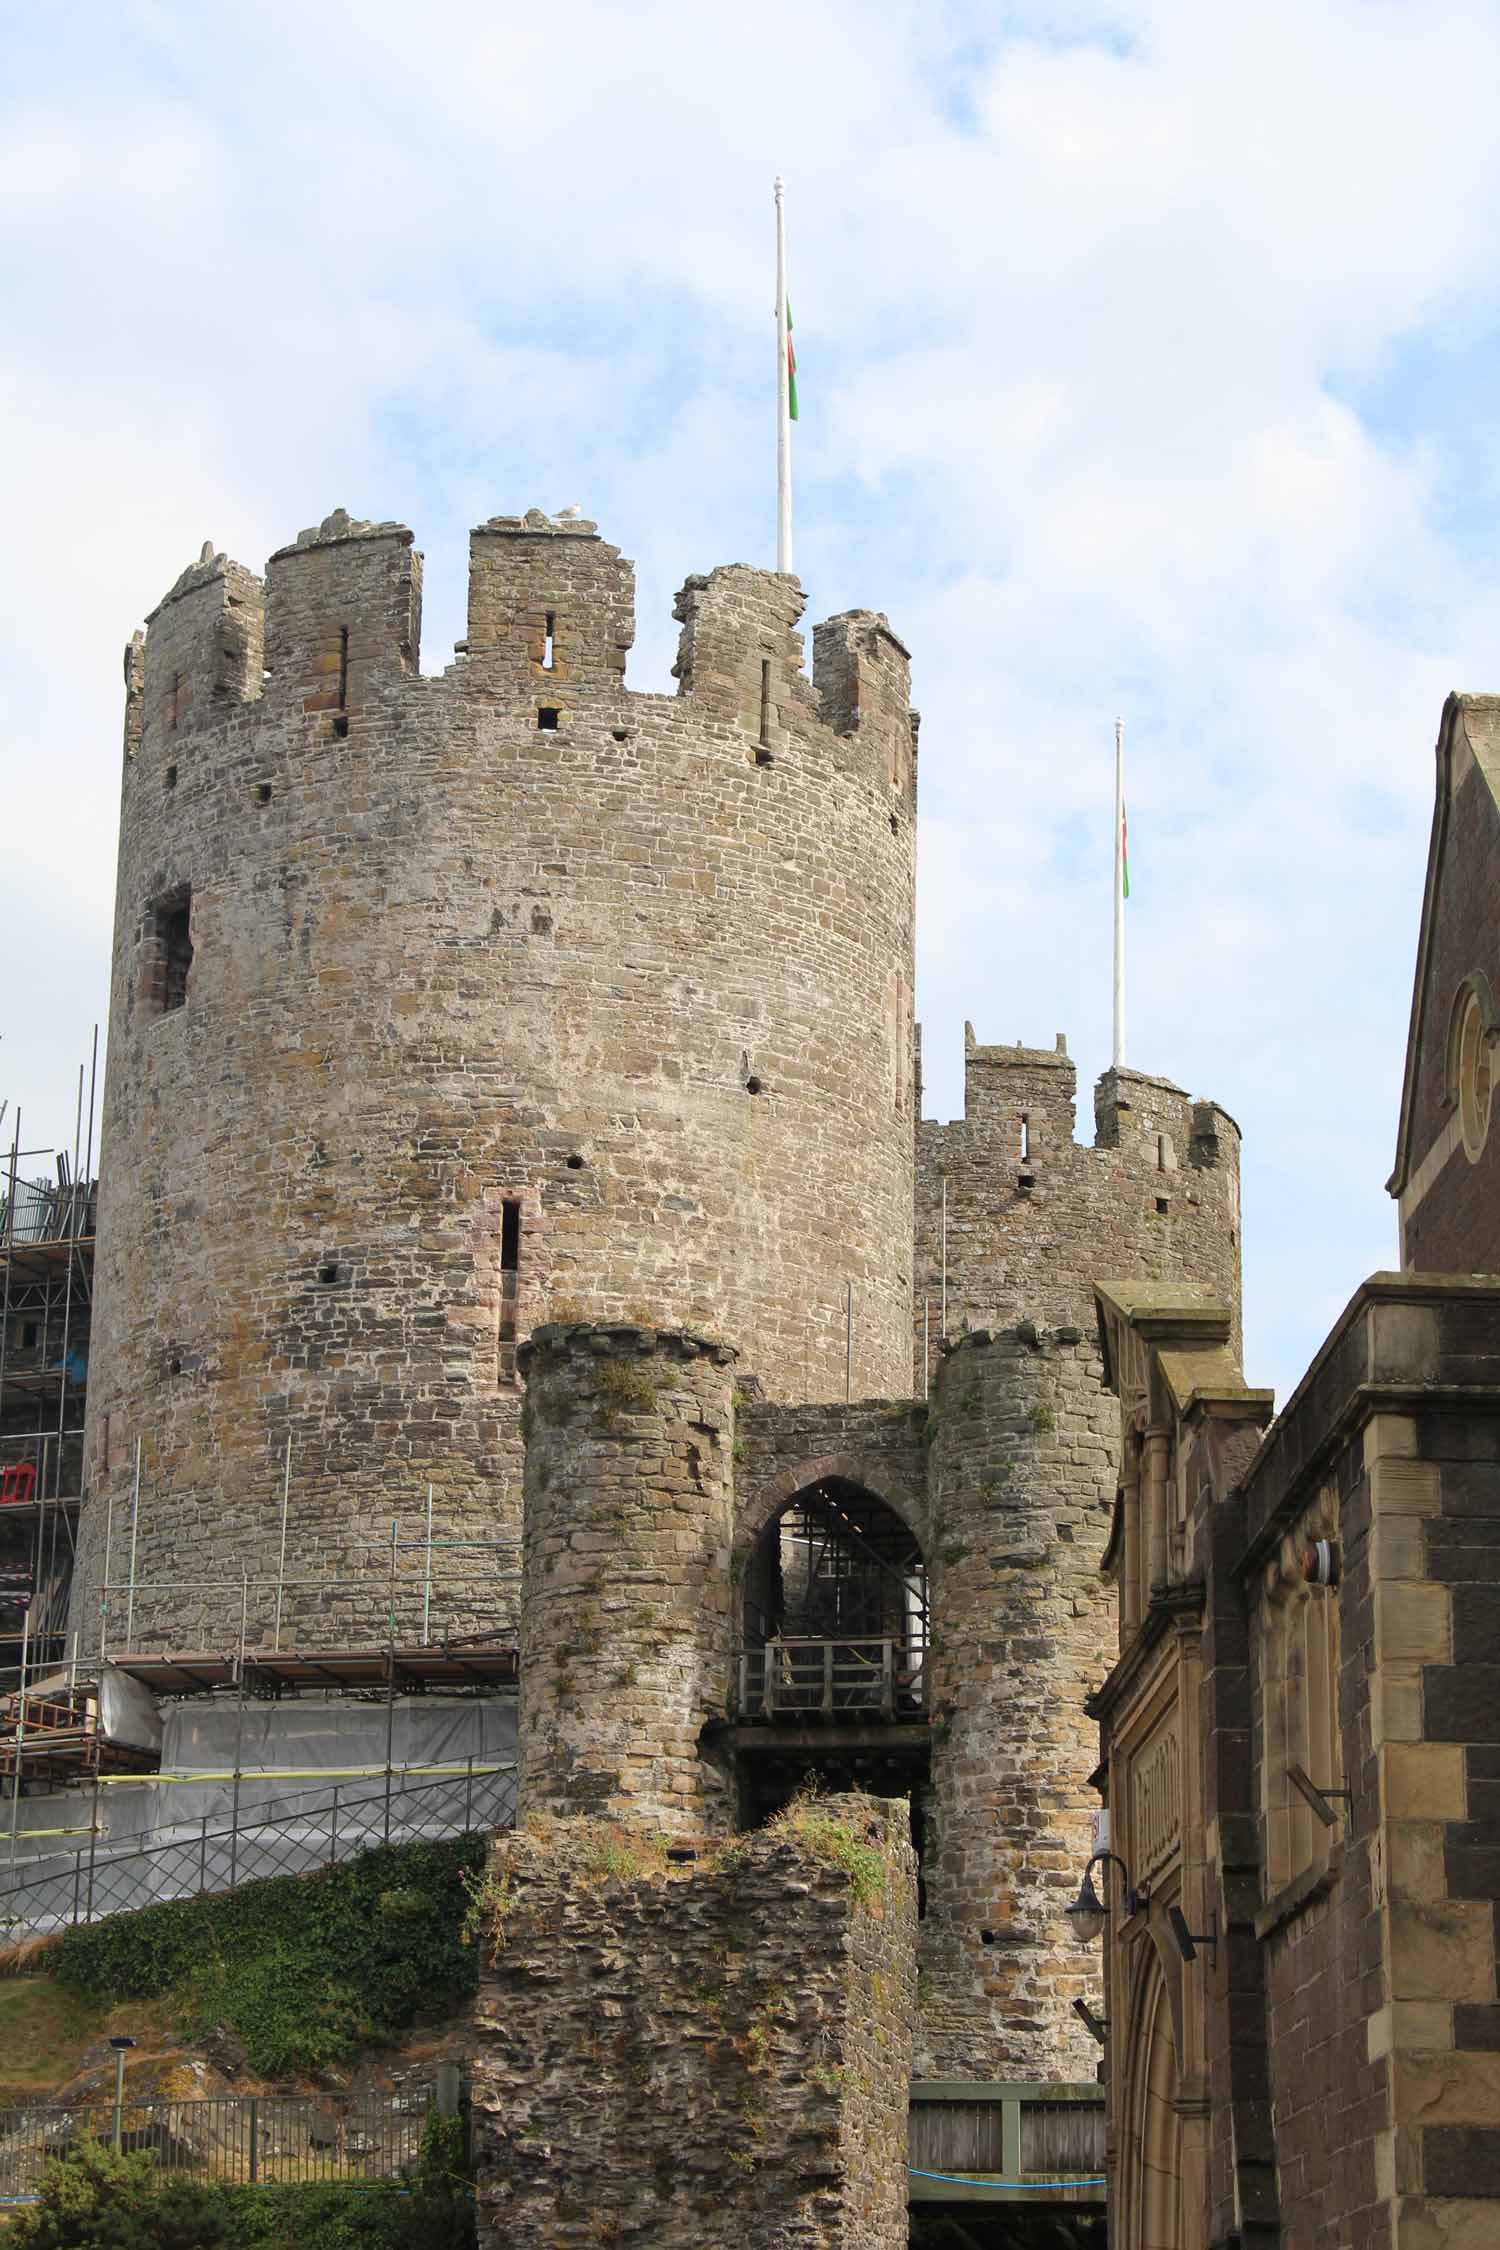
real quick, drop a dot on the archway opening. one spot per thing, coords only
(835, 1609)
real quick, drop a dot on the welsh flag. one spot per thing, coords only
(791, 366)
(1124, 858)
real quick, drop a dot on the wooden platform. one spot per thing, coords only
(277, 1672)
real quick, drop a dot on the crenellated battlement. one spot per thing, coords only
(343, 616)
(551, 608)
(863, 677)
(335, 627)
(203, 651)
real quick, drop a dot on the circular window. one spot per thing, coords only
(1476, 1083)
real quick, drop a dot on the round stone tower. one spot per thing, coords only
(629, 1515)
(1021, 1481)
(445, 1006)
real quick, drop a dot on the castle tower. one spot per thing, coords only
(1016, 1222)
(626, 1623)
(443, 1006)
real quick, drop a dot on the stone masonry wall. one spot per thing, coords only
(780, 1450)
(1381, 1957)
(638, 966)
(683, 2057)
(1024, 1628)
(625, 1618)
(1321, 1944)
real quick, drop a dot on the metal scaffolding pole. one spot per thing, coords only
(135, 1525)
(286, 1494)
(239, 1736)
(109, 1529)
(427, 1574)
(20, 1742)
(390, 1687)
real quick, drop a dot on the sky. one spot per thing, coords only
(1147, 357)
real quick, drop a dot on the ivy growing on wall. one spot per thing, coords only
(305, 1969)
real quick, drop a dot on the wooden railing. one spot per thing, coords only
(984, 2142)
(849, 1680)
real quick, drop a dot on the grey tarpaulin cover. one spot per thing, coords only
(291, 1757)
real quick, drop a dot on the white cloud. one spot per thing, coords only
(1087, 304)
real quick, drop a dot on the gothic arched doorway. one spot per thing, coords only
(1151, 2214)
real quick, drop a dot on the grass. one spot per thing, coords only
(43, 2033)
(46, 2031)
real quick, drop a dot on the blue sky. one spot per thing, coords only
(1147, 357)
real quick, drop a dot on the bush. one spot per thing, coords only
(94, 2200)
(304, 1969)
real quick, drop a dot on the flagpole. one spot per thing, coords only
(783, 398)
(1119, 1056)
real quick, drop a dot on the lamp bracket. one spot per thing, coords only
(1320, 1799)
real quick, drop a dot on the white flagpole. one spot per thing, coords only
(1119, 1061)
(783, 399)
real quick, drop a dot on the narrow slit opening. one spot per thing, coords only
(510, 1267)
(1025, 1139)
(341, 717)
(547, 641)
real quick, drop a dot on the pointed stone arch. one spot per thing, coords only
(872, 1472)
(1150, 2209)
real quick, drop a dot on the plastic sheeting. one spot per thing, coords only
(128, 1712)
(311, 1786)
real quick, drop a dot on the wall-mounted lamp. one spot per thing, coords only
(1188, 1941)
(1096, 2025)
(1088, 1912)
(1321, 1800)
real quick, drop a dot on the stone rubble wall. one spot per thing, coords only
(625, 1617)
(684, 2056)
(645, 973)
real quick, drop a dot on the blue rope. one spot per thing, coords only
(958, 2179)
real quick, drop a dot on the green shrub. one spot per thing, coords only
(94, 2200)
(305, 1969)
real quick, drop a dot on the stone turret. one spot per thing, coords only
(1023, 1626)
(629, 1518)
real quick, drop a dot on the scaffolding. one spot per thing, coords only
(47, 1228)
(56, 1728)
